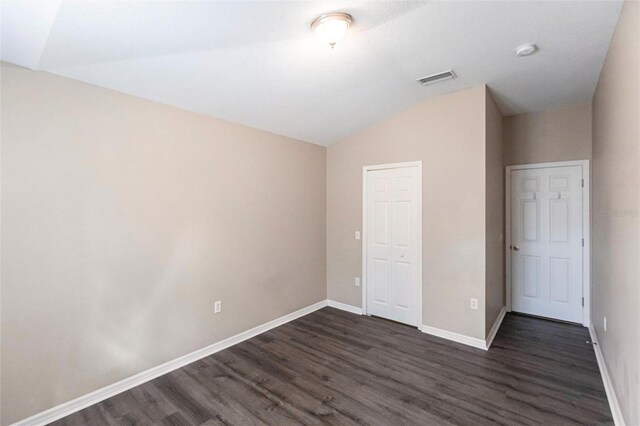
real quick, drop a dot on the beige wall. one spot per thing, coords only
(616, 179)
(123, 220)
(448, 134)
(494, 274)
(557, 134)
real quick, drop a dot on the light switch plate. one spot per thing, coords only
(357, 235)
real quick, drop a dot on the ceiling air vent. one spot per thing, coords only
(437, 77)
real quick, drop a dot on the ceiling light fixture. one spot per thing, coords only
(526, 49)
(331, 27)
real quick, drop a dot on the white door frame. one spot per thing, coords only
(586, 249)
(366, 169)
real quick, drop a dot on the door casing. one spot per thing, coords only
(365, 169)
(586, 249)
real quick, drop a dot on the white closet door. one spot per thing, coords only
(392, 241)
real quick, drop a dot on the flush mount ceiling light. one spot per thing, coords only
(331, 27)
(526, 49)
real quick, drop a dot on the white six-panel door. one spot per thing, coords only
(392, 237)
(546, 242)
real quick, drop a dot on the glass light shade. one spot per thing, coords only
(332, 27)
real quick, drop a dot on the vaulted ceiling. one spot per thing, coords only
(258, 63)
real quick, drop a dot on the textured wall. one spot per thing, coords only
(556, 134)
(123, 220)
(615, 212)
(448, 134)
(494, 274)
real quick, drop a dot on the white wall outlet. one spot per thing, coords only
(357, 281)
(474, 304)
(357, 235)
(605, 323)
(217, 307)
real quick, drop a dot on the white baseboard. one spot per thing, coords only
(496, 327)
(99, 395)
(345, 307)
(449, 335)
(466, 340)
(87, 400)
(606, 379)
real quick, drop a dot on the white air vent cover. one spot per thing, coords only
(437, 77)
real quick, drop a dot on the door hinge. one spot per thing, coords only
(583, 242)
(583, 301)
(583, 183)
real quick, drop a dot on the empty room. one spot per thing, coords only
(319, 212)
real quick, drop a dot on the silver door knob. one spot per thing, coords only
(516, 248)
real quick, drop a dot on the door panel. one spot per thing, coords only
(380, 230)
(402, 271)
(530, 220)
(546, 221)
(531, 276)
(559, 216)
(381, 281)
(560, 279)
(392, 219)
(402, 235)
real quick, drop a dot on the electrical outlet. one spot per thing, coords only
(605, 323)
(474, 304)
(217, 307)
(357, 235)
(357, 281)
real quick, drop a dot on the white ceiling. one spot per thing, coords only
(258, 64)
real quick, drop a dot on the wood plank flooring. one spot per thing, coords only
(333, 367)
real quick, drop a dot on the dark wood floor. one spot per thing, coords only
(339, 368)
